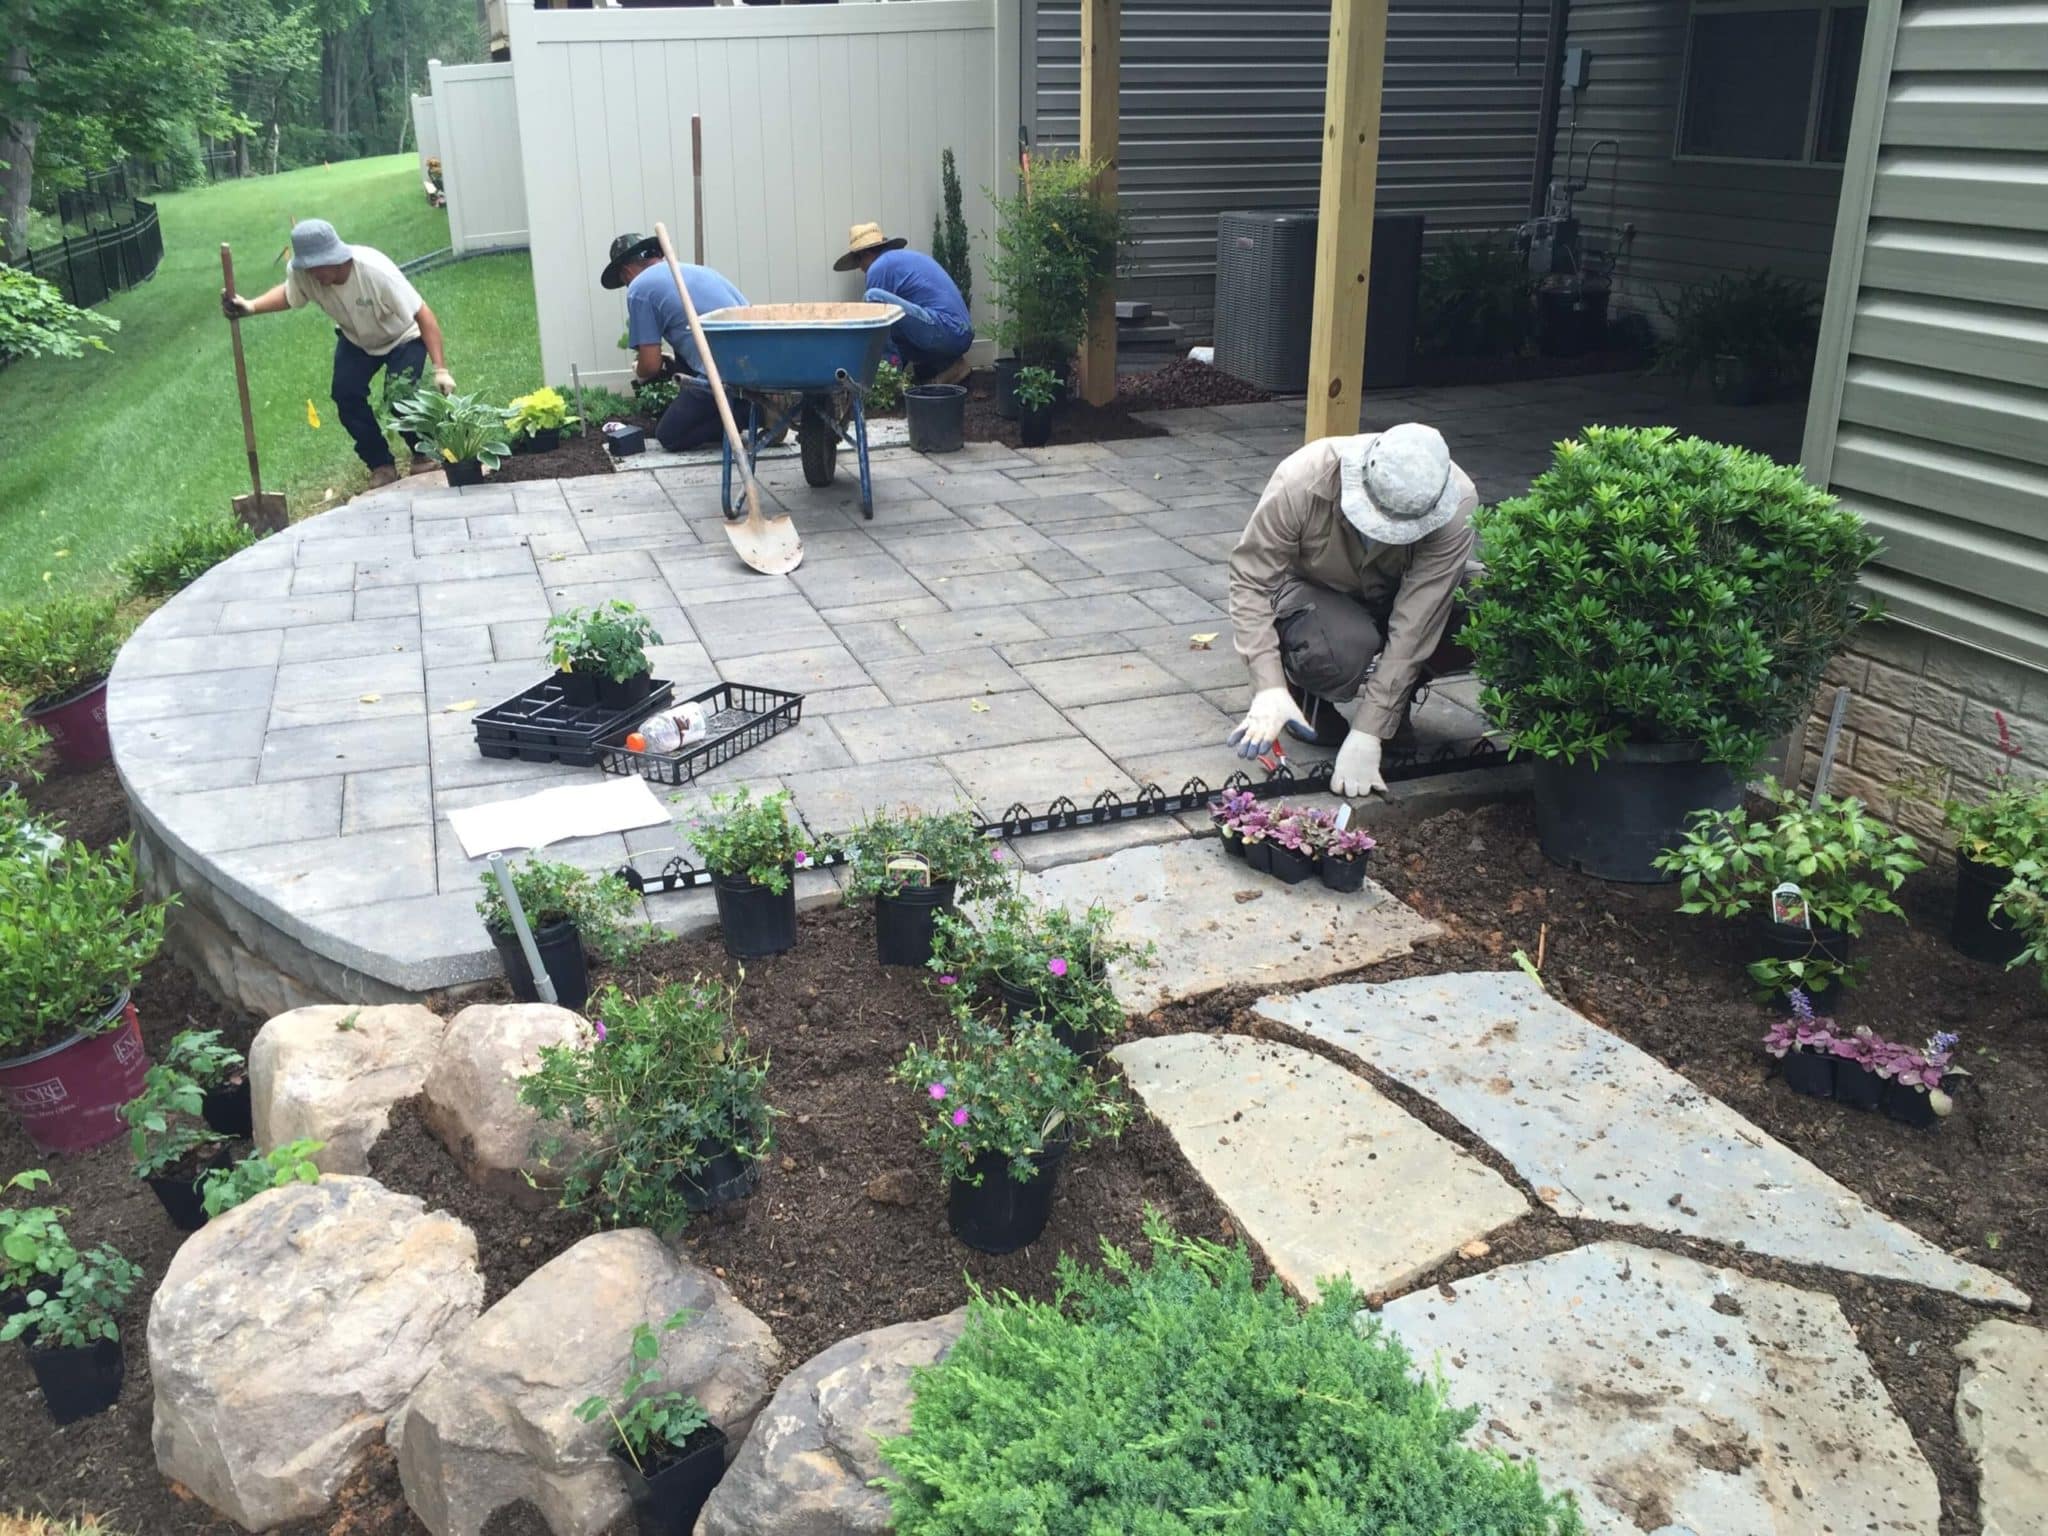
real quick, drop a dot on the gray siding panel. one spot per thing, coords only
(1222, 108)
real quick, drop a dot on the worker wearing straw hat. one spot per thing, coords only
(935, 332)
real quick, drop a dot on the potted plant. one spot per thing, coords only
(1916, 1079)
(1227, 811)
(535, 421)
(2023, 903)
(662, 1111)
(1855, 1081)
(1030, 954)
(222, 1077)
(1038, 391)
(464, 432)
(1653, 614)
(1086, 1019)
(753, 851)
(916, 866)
(57, 656)
(1299, 836)
(1004, 1106)
(74, 1342)
(569, 910)
(1805, 1045)
(601, 653)
(1805, 877)
(73, 939)
(1056, 248)
(21, 751)
(173, 1148)
(2007, 826)
(1344, 859)
(1750, 335)
(1255, 831)
(33, 1247)
(673, 1453)
(281, 1167)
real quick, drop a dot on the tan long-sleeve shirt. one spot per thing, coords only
(1299, 530)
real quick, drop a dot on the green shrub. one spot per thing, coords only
(199, 1054)
(1056, 251)
(888, 851)
(21, 748)
(1653, 588)
(1181, 1400)
(1474, 300)
(1042, 949)
(59, 646)
(179, 555)
(605, 640)
(648, 1425)
(886, 393)
(33, 1246)
(653, 396)
(600, 405)
(950, 247)
(83, 1306)
(164, 1125)
(747, 839)
(73, 938)
(1769, 322)
(279, 1168)
(2024, 904)
(36, 321)
(600, 906)
(1036, 388)
(2010, 823)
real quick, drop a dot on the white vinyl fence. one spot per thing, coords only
(480, 162)
(814, 118)
(426, 131)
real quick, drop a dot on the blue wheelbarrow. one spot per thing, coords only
(807, 365)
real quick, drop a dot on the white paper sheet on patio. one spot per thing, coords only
(815, 118)
(480, 160)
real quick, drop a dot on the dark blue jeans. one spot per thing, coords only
(692, 421)
(921, 338)
(353, 370)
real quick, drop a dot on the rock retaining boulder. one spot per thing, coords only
(287, 1330)
(472, 1091)
(495, 1421)
(805, 1469)
(332, 1073)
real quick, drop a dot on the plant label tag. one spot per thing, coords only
(1344, 817)
(1788, 907)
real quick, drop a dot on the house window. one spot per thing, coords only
(1769, 80)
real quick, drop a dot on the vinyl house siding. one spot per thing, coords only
(1222, 109)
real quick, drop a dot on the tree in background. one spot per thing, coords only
(949, 231)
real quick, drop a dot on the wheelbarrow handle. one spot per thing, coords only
(732, 429)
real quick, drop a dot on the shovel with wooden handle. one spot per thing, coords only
(770, 545)
(261, 511)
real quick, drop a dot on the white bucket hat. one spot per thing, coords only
(1397, 484)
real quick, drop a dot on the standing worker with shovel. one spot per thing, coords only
(380, 323)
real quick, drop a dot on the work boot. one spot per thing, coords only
(1327, 727)
(422, 465)
(383, 475)
(955, 372)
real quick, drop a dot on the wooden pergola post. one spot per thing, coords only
(1101, 42)
(1351, 163)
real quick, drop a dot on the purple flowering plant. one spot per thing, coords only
(1801, 1030)
(1351, 843)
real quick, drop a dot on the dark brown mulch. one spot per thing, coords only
(1182, 383)
(88, 803)
(584, 455)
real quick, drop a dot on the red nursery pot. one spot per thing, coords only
(77, 724)
(68, 1096)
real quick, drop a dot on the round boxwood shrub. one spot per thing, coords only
(1181, 1398)
(1658, 588)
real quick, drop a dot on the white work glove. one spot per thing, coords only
(444, 381)
(1356, 773)
(1271, 709)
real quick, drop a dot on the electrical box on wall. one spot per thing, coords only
(1578, 68)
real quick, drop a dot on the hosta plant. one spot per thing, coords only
(757, 840)
(1657, 589)
(81, 1305)
(542, 411)
(454, 428)
(279, 1168)
(646, 1425)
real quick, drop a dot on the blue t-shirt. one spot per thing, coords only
(915, 276)
(654, 313)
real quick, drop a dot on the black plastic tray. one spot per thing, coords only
(742, 716)
(537, 725)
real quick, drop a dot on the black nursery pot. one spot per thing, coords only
(1259, 855)
(179, 1194)
(1787, 941)
(1034, 425)
(754, 920)
(668, 1497)
(611, 695)
(561, 953)
(466, 472)
(1233, 842)
(1612, 819)
(541, 442)
(12, 1302)
(1908, 1106)
(579, 687)
(1856, 1085)
(1344, 874)
(1000, 1215)
(903, 922)
(726, 1178)
(227, 1108)
(1810, 1073)
(1018, 1002)
(1975, 930)
(78, 1383)
(1291, 866)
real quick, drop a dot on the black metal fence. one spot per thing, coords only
(120, 247)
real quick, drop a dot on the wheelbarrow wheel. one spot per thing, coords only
(820, 445)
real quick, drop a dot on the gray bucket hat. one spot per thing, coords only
(315, 244)
(1397, 485)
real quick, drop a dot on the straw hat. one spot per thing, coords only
(1396, 485)
(862, 239)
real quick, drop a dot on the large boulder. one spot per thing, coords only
(472, 1090)
(332, 1074)
(805, 1469)
(286, 1332)
(495, 1421)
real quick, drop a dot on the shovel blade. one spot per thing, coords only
(263, 514)
(769, 545)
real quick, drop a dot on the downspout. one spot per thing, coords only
(1546, 116)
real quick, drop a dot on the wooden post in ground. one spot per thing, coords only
(1101, 43)
(1351, 163)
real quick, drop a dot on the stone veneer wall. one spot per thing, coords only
(1921, 717)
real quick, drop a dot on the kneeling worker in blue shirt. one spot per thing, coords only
(935, 332)
(654, 314)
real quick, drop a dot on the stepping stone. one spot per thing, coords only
(1184, 898)
(1318, 1168)
(2002, 1415)
(1603, 1131)
(1675, 1398)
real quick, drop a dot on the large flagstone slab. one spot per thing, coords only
(2002, 1415)
(1215, 922)
(1317, 1167)
(1675, 1398)
(1603, 1130)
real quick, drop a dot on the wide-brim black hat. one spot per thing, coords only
(633, 247)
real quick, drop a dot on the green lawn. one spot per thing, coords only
(97, 453)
